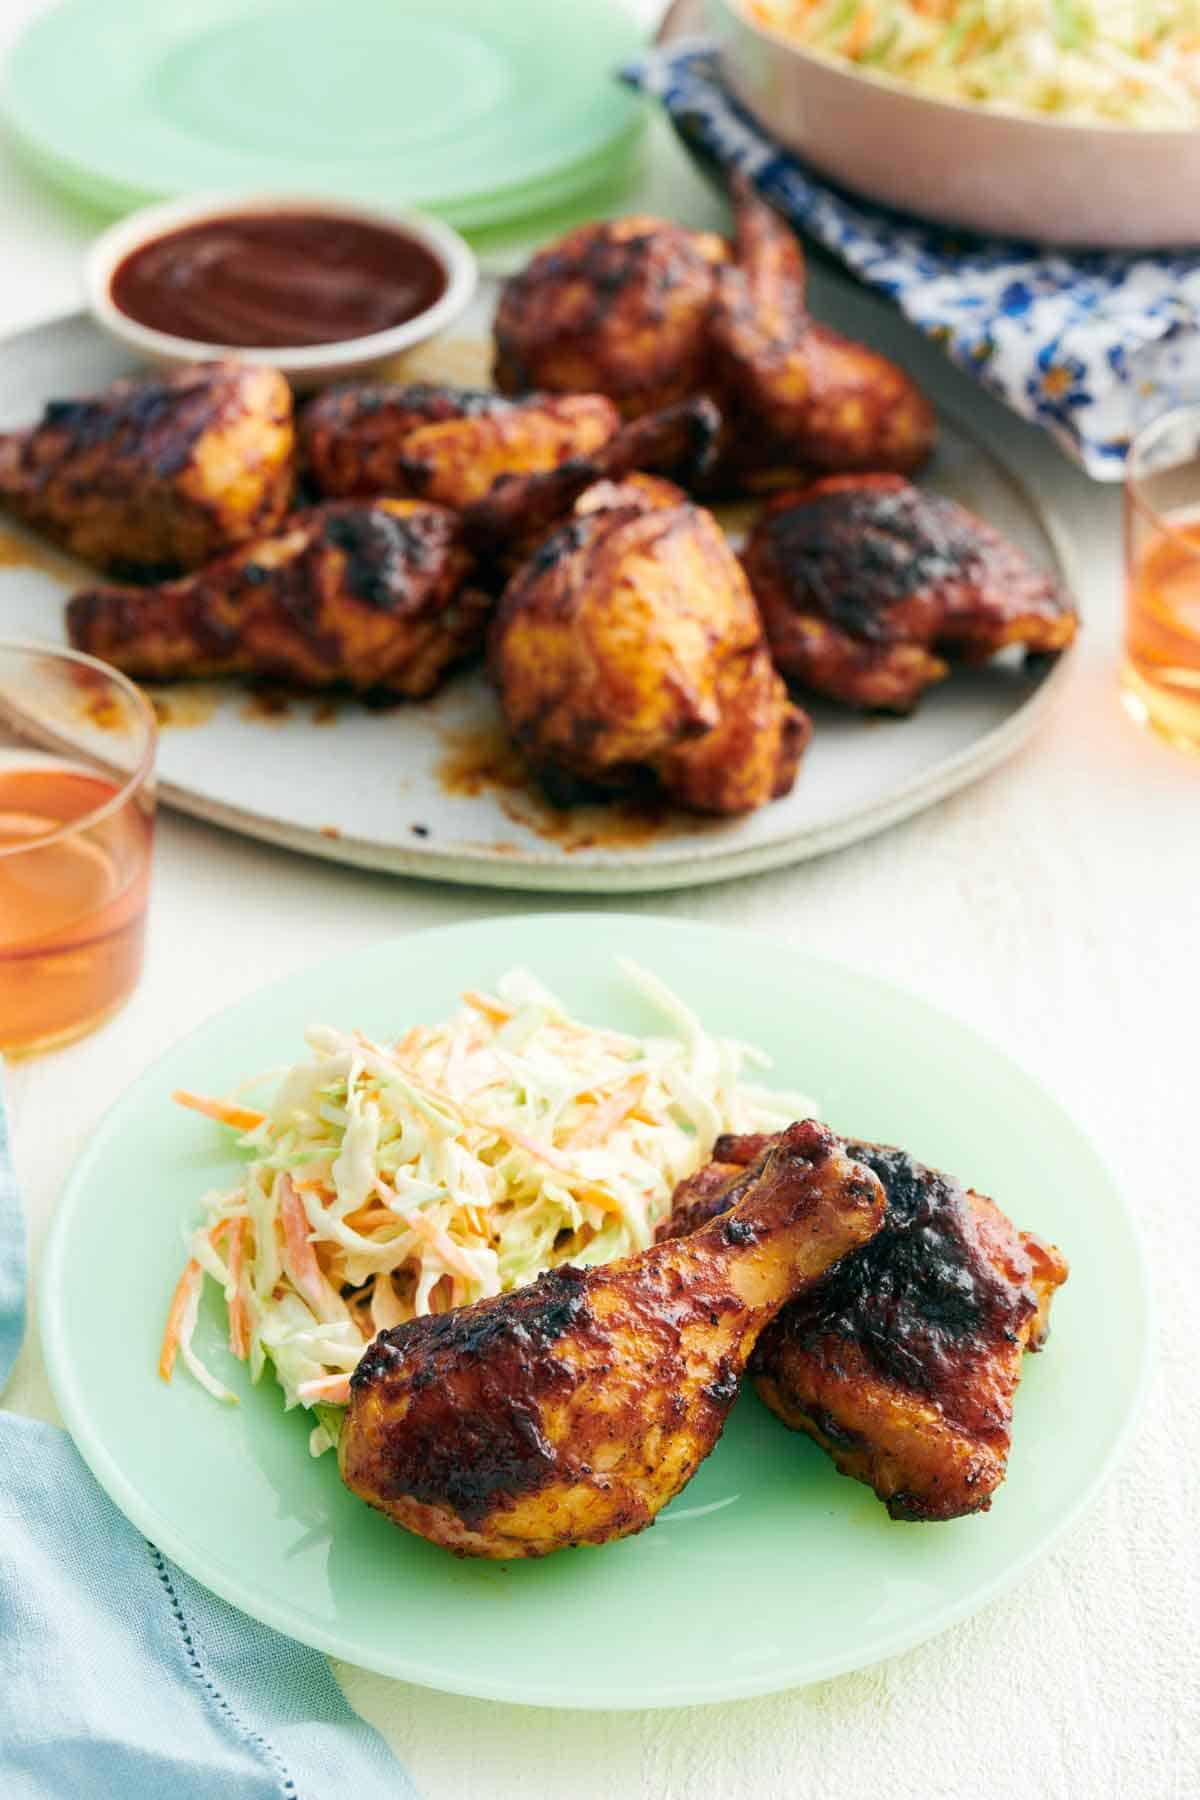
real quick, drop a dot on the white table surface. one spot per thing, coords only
(1057, 905)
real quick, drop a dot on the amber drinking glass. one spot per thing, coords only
(1161, 676)
(77, 745)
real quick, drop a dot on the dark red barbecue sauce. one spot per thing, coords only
(273, 280)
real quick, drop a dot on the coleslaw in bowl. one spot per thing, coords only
(1127, 62)
(385, 1181)
(1004, 129)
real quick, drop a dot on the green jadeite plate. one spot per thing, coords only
(475, 109)
(770, 1569)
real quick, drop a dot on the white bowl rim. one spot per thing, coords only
(978, 109)
(120, 239)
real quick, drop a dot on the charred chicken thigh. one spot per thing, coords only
(618, 308)
(159, 473)
(358, 594)
(571, 1411)
(904, 1361)
(444, 444)
(868, 586)
(628, 653)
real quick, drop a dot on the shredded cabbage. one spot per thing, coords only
(1132, 62)
(387, 1181)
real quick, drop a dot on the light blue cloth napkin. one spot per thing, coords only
(1088, 344)
(121, 1678)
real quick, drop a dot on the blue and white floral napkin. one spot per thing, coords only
(1088, 344)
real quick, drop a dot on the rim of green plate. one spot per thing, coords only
(549, 181)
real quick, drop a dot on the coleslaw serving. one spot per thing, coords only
(384, 1181)
(1130, 62)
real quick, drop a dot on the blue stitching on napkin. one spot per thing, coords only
(254, 1740)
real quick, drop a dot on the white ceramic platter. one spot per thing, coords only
(431, 790)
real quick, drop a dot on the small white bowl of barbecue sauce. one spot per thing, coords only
(317, 288)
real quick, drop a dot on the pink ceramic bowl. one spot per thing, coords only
(1011, 174)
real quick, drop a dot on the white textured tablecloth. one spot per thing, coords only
(1057, 905)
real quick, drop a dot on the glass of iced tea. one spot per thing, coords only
(1161, 676)
(77, 743)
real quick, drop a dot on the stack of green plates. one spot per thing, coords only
(480, 110)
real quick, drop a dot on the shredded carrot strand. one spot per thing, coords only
(368, 1217)
(607, 1114)
(239, 1312)
(588, 1191)
(495, 1010)
(442, 1242)
(858, 37)
(187, 1285)
(333, 1388)
(601, 1199)
(299, 1255)
(240, 1118)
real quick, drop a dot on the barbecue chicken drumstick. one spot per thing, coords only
(161, 472)
(797, 396)
(628, 654)
(904, 1361)
(572, 1411)
(358, 594)
(444, 444)
(869, 586)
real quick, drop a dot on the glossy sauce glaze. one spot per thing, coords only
(932, 1294)
(884, 560)
(571, 1410)
(947, 1282)
(904, 1361)
(278, 280)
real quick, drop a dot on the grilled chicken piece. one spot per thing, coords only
(161, 472)
(646, 492)
(618, 308)
(357, 594)
(571, 1411)
(867, 585)
(444, 444)
(647, 312)
(716, 1186)
(796, 396)
(903, 1363)
(679, 440)
(628, 654)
